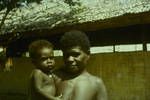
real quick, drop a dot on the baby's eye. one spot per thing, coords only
(43, 58)
(51, 57)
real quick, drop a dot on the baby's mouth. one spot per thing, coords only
(50, 66)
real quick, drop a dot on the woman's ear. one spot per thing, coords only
(87, 57)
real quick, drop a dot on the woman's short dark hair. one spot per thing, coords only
(75, 38)
(37, 45)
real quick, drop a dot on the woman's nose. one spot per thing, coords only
(70, 58)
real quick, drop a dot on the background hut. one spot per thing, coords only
(106, 22)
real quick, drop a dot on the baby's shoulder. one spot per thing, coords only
(38, 73)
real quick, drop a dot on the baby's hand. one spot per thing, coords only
(59, 97)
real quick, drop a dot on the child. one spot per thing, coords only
(42, 82)
(76, 82)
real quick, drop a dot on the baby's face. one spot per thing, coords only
(46, 60)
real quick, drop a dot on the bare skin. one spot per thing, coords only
(75, 83)
(42, 86)
(42, 82)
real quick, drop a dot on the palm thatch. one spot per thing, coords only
(86, 14)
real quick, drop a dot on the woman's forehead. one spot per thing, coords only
(75, 48)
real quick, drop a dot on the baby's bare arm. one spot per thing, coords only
(38, 77)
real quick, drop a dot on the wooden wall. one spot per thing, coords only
(126, 76)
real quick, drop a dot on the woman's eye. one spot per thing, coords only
(43, 59)
(75, 54)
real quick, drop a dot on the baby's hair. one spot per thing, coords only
(37, 45)
(75, 38)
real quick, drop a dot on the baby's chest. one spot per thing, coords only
(48, 81)
(49, 85)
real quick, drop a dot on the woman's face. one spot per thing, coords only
(75, 60)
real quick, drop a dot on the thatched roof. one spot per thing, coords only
(84, 14)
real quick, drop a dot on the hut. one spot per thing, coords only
(108, 23)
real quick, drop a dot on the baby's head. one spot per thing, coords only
(41, 53)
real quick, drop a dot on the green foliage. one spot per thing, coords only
(10, 4)
(72, 3)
